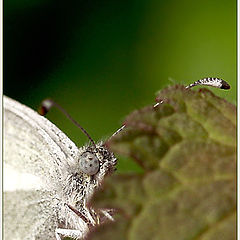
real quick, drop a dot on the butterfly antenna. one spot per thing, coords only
(47, 104)
(212, 82)
(117, 132)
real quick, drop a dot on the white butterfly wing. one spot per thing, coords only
(28, 215)
(34, 145)
(36, 153)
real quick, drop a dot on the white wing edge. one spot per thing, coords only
(58, 137)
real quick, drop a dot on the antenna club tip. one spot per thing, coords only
(225, 85)
(45, 107)
(42, 111)
(47, 103)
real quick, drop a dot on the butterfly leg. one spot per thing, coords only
(75, 234)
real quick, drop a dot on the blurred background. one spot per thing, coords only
(102, 59)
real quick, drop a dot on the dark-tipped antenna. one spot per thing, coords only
(212, 82)
(47, 104)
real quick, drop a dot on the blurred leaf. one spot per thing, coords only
(187, 148)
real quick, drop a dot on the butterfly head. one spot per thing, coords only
(89, 163)
(96, 160)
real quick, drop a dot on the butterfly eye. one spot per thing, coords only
(89, 163)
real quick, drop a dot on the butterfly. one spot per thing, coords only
(54, 180)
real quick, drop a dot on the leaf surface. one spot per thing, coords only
(187, 149)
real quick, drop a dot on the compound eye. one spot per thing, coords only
(89, 163)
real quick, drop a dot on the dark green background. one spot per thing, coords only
(102, 59)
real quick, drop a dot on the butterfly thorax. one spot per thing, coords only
(79, 187)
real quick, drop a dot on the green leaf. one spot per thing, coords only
(187, 148)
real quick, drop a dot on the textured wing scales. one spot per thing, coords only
(32, 144)
(29, 218)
